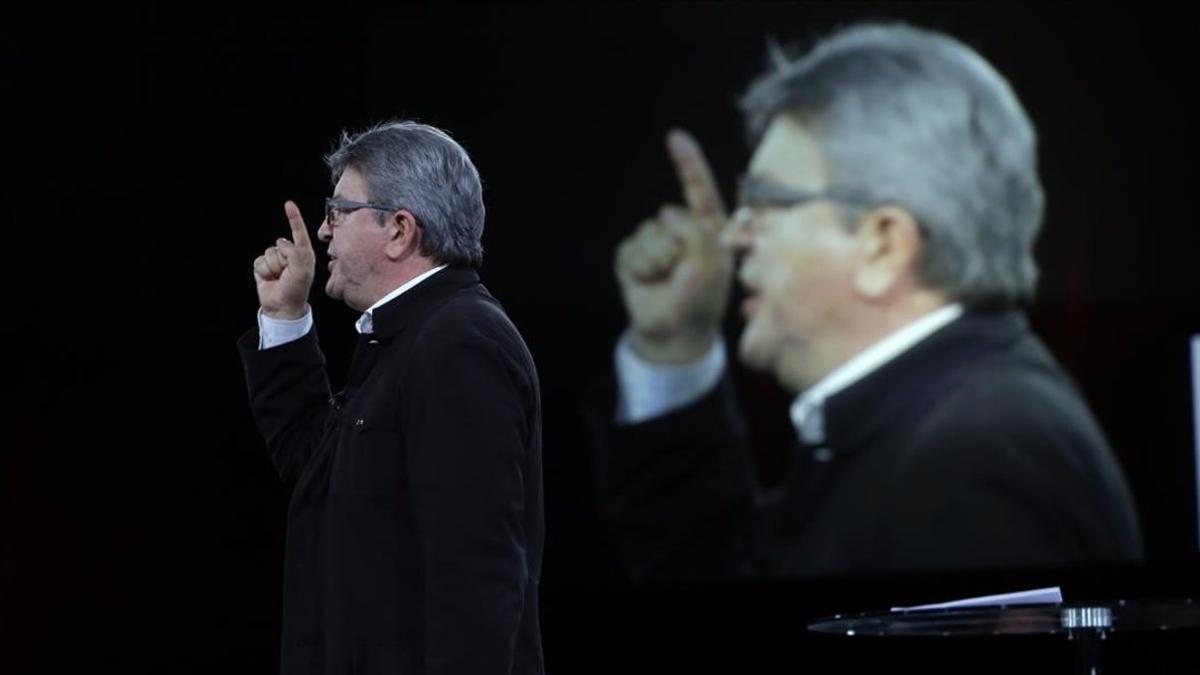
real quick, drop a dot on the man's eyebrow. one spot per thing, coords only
(749, 183)
(752, 184)
(761, 182)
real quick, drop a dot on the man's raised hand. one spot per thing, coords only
(284, 272)
(673, 272)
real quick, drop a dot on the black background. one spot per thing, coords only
(150, 152)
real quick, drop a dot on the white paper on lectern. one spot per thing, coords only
(1037, 596)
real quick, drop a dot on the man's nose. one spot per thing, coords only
(324, 232)
(736, 233)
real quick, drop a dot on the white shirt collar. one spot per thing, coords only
(807, 410)
(365, 324)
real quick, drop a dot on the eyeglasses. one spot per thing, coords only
(755, 193)
(335, 207)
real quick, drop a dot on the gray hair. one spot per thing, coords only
(422, 169)
(917, 119)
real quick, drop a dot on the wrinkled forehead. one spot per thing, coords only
(788, 156)
(351, 185)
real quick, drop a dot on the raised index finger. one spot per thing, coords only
(299, 231)
(699, 186)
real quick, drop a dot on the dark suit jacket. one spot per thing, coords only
(972, 449)
(415, 529)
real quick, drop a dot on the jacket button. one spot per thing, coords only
(358, 422)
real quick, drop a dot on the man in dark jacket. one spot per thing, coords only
(886, 224)
(415, 528)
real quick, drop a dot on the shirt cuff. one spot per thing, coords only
(647, 390)
(275, 332)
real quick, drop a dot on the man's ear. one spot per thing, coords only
(405, 236)
(889, 244)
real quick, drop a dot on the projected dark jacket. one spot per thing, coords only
(970, 450)
(415, 528)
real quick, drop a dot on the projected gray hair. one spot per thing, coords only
(917, 119)
(422, 169)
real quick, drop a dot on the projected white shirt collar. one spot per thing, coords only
(807, 409)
